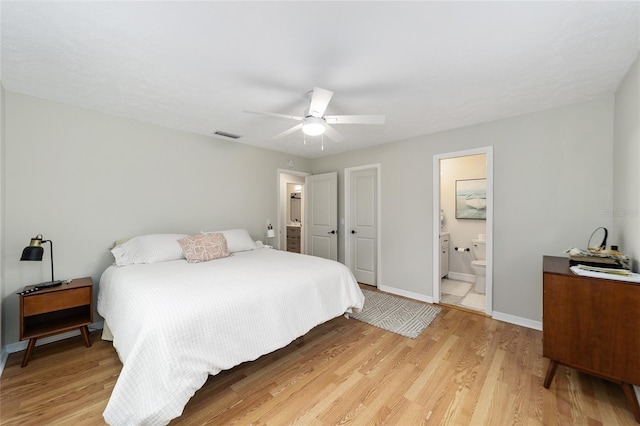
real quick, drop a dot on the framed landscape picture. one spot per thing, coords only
(471, 199)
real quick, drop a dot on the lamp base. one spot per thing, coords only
(42, 286)
(48, 284)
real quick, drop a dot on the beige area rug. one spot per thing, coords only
(474, 301)
(401, 316)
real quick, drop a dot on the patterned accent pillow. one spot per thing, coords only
(202, 248)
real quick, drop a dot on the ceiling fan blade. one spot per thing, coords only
(319, 101)
(275, 114)
(355, 119)
(333, 134)
(288, 131)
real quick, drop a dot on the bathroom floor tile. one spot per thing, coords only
(450, 299)
(461, 293)
(474, 301)
(453, 287)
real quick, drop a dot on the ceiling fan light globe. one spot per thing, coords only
(313, 126)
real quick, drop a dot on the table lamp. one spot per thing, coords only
(34, 252)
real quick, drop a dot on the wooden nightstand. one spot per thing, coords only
(55, 310)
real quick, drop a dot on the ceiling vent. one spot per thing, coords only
(225, 135)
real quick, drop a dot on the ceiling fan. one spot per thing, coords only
(314, 122)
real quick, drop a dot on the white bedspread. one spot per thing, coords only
(174, 323)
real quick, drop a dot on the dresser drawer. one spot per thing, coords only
(293, 231)
(293, 242)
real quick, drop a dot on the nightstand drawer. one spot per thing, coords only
(47, 302)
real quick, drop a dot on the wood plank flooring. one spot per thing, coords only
(464, 369)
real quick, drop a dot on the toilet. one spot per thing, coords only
(479, 265)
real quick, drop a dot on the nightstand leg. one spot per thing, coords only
(27, 355)
(551, 371)
(85, 335)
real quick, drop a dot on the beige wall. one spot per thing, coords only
(83, 179)
(626, 169)
(552, 184)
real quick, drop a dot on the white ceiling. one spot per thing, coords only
(428, 66)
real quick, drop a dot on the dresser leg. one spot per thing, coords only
(30, 346)
(85, 335)
(551, 371)
(633, 401)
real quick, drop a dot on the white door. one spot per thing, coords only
(322, 215)
(363, 224)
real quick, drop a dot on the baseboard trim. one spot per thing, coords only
(461, 277)
(405, 293)
(512, 319)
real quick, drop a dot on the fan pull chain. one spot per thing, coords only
(304, 138)
(322, 147)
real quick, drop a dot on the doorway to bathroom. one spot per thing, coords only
(463, 229)
(291, 212)
(307, 214)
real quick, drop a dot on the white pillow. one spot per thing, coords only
(237, 240)
(149, 249)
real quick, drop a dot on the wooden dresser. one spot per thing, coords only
(592, 325)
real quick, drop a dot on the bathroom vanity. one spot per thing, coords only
(293, 239)
(444, 254)
(592, 325)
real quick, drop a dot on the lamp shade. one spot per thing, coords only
(271, 233)
(35, 252)
(32, 253)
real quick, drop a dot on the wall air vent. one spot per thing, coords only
(225, 135)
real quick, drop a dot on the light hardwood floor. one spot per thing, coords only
(465, 369)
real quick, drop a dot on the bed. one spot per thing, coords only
(174, 323)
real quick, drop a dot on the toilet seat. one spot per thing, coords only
(479, 263)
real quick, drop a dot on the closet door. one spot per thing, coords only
(363, 224)
(321, 234)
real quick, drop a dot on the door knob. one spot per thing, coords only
(353, 231)
(333, 231)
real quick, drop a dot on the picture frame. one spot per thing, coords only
(471, 199)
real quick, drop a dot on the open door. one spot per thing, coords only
(321, 234)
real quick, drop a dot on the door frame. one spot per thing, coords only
(278, 230)
(347, 215)
(488, 151)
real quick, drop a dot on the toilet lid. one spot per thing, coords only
(479, 263)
